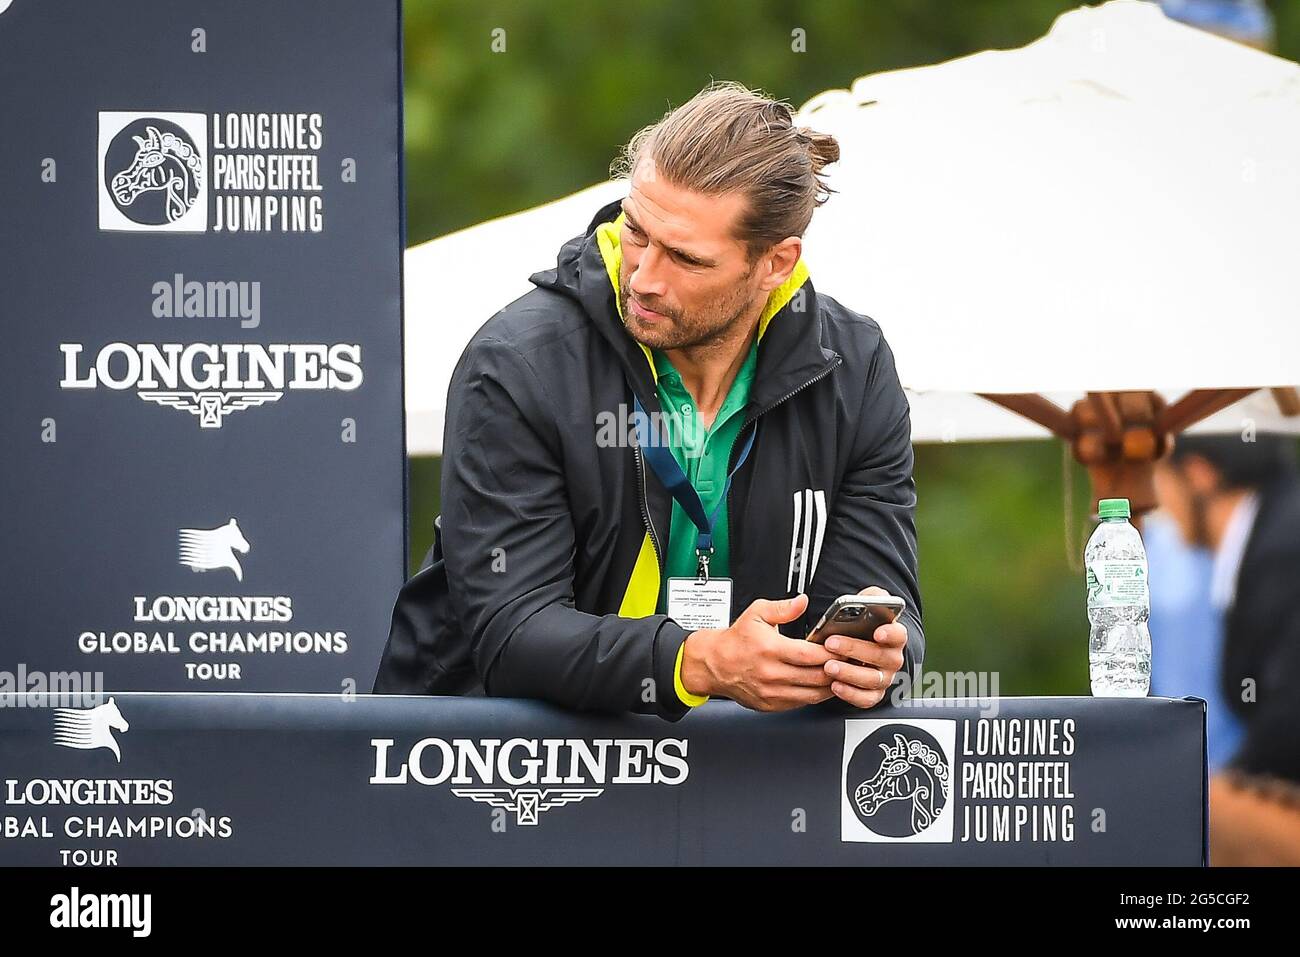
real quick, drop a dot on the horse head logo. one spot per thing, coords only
(90, 728)
(910, 770)
(203, 549)
(163, 161)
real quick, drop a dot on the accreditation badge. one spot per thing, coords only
(695, 604)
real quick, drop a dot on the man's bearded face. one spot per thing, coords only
(708, 321)
(685, 280)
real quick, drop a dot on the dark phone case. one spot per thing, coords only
(864, 626)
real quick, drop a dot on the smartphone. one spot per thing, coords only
(857, 616)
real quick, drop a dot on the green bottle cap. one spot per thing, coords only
(1113, 508)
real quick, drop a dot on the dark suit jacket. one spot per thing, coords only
(1262, 639)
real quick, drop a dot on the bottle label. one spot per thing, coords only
(1114, 582)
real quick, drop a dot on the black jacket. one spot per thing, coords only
(554, 541)
(1261, 651)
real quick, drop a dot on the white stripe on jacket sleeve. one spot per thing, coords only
(794, 540)
(819, 498)
(807, 530)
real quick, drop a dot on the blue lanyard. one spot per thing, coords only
(666, 467)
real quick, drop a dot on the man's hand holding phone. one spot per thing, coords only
(753, 664)
(863, 668)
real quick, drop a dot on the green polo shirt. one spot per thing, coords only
(704, 455)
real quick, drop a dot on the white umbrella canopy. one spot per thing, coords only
(1107, 208)
(454, 284)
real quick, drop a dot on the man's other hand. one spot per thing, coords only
(754, 664)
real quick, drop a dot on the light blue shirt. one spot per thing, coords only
(1187, 633)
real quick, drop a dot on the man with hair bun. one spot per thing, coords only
(665, 462)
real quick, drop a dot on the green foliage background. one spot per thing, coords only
(490, 133)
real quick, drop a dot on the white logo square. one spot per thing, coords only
(153, 172)
(896, 781)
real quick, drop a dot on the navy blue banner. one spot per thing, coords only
(368, 780)
(200, 247)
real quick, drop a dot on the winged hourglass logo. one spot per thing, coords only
(527, 803)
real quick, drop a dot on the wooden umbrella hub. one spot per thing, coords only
(1119, 436)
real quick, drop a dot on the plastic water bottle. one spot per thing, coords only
(1119, 603)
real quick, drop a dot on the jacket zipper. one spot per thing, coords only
(761, 412)
(641, 470)
(645, 511)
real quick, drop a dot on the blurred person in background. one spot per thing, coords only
(1187, 632)
(1241, 500)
